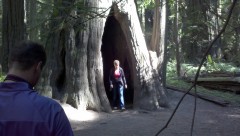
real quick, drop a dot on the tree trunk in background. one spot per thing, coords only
(31, 17)
(141, 14)
(43, 20)
(156, 30)
(236, 43)
(163, 42)
(13, 29)
(194, 40)
(176, 37)
(158, 44)
(213, 29)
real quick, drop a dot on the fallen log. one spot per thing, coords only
(231, 84)
(212, 99)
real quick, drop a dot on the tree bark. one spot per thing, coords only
(213, 29)
(162, 66)
(74, 70)
(147, 90)
(156, 31)
(158, 45)
(13, 29)
(176, 37)
(194, 32)
(31, 17)
(75, 63)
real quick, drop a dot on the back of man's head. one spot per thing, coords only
(26, 54)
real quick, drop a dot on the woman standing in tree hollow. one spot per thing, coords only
(117, 82)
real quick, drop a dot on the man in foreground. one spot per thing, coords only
(23, 112)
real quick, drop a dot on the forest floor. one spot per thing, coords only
(210, 120)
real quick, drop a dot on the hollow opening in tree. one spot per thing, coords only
(114, 46)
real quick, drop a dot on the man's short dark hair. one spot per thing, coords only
(26, 54)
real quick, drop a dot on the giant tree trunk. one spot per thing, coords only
(13, 29)
(74, 71)
(88, 91)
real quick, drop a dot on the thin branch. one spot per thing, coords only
(195, 107)
(199, 68)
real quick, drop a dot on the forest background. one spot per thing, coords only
(179, 32)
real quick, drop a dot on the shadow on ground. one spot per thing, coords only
(211, 120)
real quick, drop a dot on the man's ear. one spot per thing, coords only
(39, 65)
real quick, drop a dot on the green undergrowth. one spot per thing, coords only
(232, 98)
(2, 77)
(178, 83)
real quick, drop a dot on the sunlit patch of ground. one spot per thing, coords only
(234, 116)
(79, 115)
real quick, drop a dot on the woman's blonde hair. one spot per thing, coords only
(116, 62)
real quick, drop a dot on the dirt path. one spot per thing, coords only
(211, 120)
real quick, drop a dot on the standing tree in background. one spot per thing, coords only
(31, 18)
(176, 37)
(235, 57)
(195, 36)
(213, 27)
(13, 29)
(156, 31)
(159, 40)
